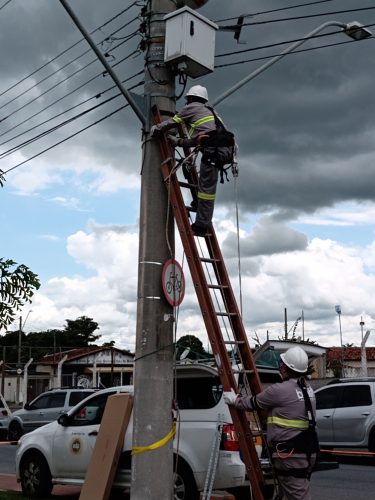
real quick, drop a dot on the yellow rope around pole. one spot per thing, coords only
(158, 444)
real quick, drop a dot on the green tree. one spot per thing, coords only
(17, 286)
(80, 332)
(193, 343)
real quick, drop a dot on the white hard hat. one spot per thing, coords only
(296, 359)
(197, 91)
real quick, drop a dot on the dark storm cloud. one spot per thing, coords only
(304, 126)
(48, 32)
(269, 236)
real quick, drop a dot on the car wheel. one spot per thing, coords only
(184, 485)
(35, 476)
(15, 431)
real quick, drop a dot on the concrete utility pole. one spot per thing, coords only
(152, 471)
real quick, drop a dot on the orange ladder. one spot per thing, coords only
(206, 291)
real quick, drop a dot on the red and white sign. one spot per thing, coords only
(173, 282)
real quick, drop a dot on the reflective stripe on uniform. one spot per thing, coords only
(286, 422)
(201, 121)
(206, 196)
(177, 119)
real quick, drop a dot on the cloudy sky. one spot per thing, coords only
(305, 195)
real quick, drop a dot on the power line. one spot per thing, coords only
(67, 138)
(65, 95)
(96, 96)
(131, 35)
(76, 133)
(6, 3)
(67, 49)
(291, 53)
(260, 47)
(59, 83)
(273, 10)
(299, 17)
(57, 127)
(63, 123)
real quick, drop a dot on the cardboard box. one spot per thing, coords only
(108, 446)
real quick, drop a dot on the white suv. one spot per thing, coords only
(59, 453)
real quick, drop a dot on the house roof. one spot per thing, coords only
(279, 346)
(349, 353)
(76, 354)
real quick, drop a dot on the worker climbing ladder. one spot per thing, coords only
(214, 310)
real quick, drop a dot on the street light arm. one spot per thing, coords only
(365, 338)
(269, 63)
(24, 323)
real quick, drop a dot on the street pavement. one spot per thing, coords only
(8, 482)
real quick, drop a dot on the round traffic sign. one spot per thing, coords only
(19, 371)
(173, 282)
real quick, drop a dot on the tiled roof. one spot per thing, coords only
(349, 353)
(78, 353)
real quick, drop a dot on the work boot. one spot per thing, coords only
(198, 230)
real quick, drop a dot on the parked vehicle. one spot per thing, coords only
(59, 453)
(45, 408)
(5, 415)
(346, 413)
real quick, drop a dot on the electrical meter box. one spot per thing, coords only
(190, 42)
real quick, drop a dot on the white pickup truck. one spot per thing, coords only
(59, 452)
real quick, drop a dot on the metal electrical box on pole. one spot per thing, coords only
(190, 42)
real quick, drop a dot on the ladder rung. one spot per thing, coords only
(190, 209)
(218, 287)
(234, 342)
(243, 371)
(205, 259)
(225, 314)
(187, 185)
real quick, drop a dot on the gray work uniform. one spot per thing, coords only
(286, 418)
(197, 119)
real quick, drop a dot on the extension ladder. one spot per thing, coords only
(205, 290)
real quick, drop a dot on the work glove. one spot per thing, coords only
(155, 131)
(175, 141)
(230, 397)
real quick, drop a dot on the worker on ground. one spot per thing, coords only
(199, 119)
(291, 434)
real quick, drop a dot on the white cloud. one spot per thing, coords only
(49, 237)
(343, 214)
(314, 280)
